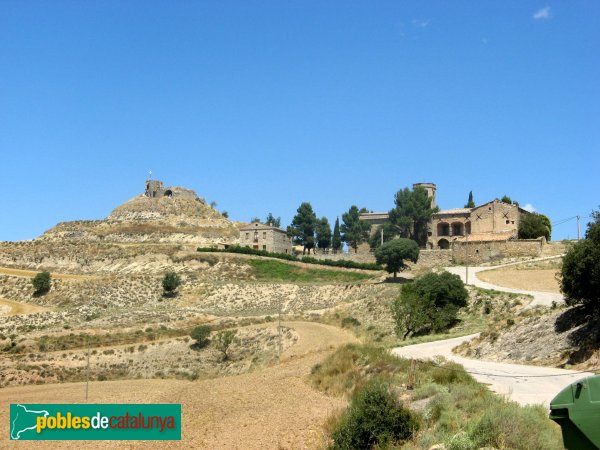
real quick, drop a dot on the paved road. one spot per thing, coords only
(539, 298)
(521, 383)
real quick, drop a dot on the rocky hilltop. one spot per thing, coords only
(178, 215)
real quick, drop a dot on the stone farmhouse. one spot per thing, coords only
(265, 237)
(493, 221)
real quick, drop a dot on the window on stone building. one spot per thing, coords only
(507, 222)
(247, 235)
(264, 234)
(264, 247)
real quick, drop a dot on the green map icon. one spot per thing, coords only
(24, 420)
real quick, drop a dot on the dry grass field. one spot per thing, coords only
(542, 280)
(273, 408)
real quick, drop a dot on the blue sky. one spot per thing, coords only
(261, 105)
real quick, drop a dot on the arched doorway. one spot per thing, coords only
(443, 229)
(444, 244)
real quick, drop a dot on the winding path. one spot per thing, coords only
(520, 383)
(539, 298)
(272, 408)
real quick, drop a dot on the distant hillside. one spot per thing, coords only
(182, 217)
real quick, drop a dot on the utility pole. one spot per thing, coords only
(279, 333)
(467, 259)
(87, 381)
(577, 227)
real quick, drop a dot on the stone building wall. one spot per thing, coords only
(480, 252)
(266, 238)
(495, 217)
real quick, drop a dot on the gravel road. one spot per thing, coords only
(521, 383)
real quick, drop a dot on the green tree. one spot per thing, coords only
(255, 220)
(470, 202)
(225, 214)
(201, 334)
(302, 229)
(533, 226)
(223, 341)
(394, 254)
(374, 419)
(273, 221)
(170, 283)
(431, 303)
(411, 313)
(323, 233)
(389, 233)
(506, 199)
(580, 273)
(336, 240)
(412, 213)
(42, 283)
(354, 231)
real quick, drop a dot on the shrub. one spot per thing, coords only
(580, 280)
(41, 283)
(430, 303)
(223, 341)
(350, 322)
(289, 257)
(374, 418)
(508, 425)
(200, 335)
(171, 282)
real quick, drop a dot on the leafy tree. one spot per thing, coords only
(255, 220)
(201, 334)
(225, 214)
(389, 233)
(213, 204)
(506, 199)
(430, 303)
(273, 221)
(323, 234)
(395, 252)
(375, 419)
(42, 283)
(470, 202)
(580, 273)
(336, 241)
(354, 230)
(412, 213)
(223, 341)
(410, 312)
(171, 282)
(302, 229)
(533, 226)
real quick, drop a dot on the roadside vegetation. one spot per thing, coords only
(269, 270)
(346, 264)
(443, 404)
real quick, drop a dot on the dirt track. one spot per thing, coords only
(32, 273)
(542, 280)
(16, 308)
(270, 408)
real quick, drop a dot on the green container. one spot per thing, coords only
(577, 410)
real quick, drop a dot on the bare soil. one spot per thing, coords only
(542, 280)
(274, 408)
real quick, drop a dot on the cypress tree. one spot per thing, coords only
(336, 242)
(470, 203)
